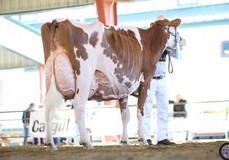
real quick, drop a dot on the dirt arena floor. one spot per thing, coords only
(182, 151)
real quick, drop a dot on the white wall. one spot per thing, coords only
(19, 88)
(203, 73)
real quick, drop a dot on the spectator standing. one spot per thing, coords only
(179, 107)
(26, 120)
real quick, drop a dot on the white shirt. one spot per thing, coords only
(161, 68)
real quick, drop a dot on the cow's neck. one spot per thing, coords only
(154, 42)
(156, 39)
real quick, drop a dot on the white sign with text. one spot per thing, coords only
(63, 124)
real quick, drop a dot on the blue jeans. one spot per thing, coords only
(57, 140)
(26, 134)
(35, 140)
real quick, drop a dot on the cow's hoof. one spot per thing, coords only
(50, 147)
(142, 142)
(83, 144)
(90, 148)
(88, 145)
(125, 143)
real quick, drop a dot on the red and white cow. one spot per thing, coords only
(97, 62)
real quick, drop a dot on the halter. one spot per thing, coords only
(178, 53)
(177, 39)
(167, 29)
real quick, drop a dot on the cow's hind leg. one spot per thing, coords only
(125, 114)
(53, 100)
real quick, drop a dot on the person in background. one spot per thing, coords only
(26, 120)
(179, 107)
(57, 140)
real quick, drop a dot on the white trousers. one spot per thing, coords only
(157, 88)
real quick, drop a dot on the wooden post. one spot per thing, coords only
(107, 11)
(107, 14)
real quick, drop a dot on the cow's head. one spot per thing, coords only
(171, 28)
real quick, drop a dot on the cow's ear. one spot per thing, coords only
(175, 22)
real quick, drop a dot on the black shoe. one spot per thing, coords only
(149, 142)
(165, 142)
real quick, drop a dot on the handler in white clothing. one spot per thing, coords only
(158, 88)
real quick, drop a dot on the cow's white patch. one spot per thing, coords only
(89, 28)
(170, 43)
(75, 50)
(142, 79)
(134, 84)
(60, 19)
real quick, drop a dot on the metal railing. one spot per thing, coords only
(204, 119)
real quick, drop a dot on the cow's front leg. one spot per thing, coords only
(141, 135)
(80, 118)
(140, 110)
(125, 114)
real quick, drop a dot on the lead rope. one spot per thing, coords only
(170, 65)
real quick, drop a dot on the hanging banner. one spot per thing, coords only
(63, 124)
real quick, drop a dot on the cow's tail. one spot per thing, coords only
(53, 100)
(55, 25)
